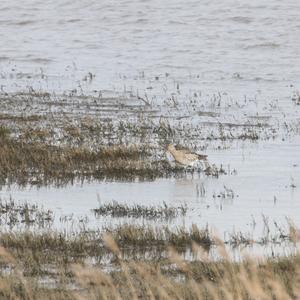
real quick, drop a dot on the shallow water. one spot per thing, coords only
(241, 48)
(266, 184)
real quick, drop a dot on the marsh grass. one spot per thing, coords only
(149, 236)
(137, 261)
(172, 278)
(55, 139)
(90, 243)
(14, 214)
(4, 132)
(117, 210)
(37, 162)
(40, 163)
(47, 253)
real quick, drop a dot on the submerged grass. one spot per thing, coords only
(90, 243)
(47, 138)
(47, 252)
(117, 210)
(147, 236)
(13, 214)
(38, 162)
(41, 163)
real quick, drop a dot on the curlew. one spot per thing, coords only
(188, 158)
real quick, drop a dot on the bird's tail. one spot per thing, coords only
(202, 157)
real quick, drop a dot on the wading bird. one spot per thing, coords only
(187, 158)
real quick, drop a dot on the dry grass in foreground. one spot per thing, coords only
(133, 262)
(175, 278)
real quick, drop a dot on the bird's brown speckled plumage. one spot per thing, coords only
(186, 157)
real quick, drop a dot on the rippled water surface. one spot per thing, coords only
(241, 47)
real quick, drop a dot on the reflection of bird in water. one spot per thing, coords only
(187, 158)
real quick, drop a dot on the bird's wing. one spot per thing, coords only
(195, 155)
(184, 150)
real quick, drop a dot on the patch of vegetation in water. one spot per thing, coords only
(54, 139)
(117, 210)
(39, 163)
(14, 214)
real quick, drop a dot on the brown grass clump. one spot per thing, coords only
(4, 132)
(141, 236)
(30, 159)
(41, 163)
(84, 244)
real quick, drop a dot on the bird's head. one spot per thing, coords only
(171, 147)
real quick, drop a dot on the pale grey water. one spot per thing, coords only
(237, 48)
(243, 47)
